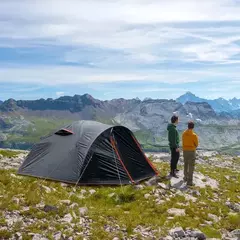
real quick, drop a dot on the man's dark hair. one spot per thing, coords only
(174, 119)
(190, 125)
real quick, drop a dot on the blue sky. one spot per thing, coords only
(112, 49)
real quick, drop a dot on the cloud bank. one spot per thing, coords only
(89, 42)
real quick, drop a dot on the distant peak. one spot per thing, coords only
(189, 93)
(188, 96)
(87, 95)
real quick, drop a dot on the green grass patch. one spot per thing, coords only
(9, 153)
(5, 234)
(210, 232)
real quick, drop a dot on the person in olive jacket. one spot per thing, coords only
(173, 138)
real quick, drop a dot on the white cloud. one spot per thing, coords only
(108, 23)
(50, 75)
(76, 75)
(157, 89)
(59, 94)
(27, 89)
(141, 32)
(146, 90)
(134, 11)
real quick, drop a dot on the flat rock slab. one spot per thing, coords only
(176, 212)
(199, 180)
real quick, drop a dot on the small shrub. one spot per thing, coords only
(100, 233)
(5, 234)
(38, 227)
(2, 222)
(232, 222)
(33, 194)
(17, 226)
(125, 197)
(25, 236)
(210, 232)
(4, 177)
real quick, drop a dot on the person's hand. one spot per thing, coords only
(177, 149)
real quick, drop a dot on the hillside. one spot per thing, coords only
(22, 123)
(161, 208)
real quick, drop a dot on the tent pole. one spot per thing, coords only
(114, 155)
(154, 169)
(116, 151)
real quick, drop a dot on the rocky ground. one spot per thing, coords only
(161, 208)
(210, 158)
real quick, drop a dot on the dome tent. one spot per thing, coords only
(89, 153)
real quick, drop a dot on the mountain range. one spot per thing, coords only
(219, 105)
(23, 122)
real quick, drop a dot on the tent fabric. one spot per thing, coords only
(89, 153)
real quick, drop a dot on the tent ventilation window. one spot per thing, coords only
(64, 132)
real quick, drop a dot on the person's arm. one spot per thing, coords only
(173, 138)
(183, 139)
(177, 139)
(196, 140)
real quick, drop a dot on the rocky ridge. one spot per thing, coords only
(23, 122)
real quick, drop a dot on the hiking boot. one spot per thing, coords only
(177, 170)
(185, 179)
(174, 175)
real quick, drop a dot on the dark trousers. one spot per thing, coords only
(174, 159)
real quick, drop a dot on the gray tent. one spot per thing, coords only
(88, 152)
